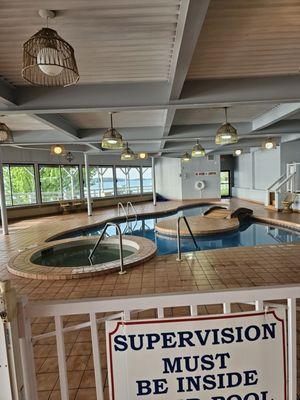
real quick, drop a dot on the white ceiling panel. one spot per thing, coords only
(243, 38)
(22, 122)
(126, 119)
(114, 41)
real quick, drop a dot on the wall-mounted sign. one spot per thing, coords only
(208, 173)
(223, 357)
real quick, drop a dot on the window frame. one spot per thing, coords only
(81, 177)
(15, 164)
(113, 178)
(39, 166)
(140, 179)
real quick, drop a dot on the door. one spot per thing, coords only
(225, 184)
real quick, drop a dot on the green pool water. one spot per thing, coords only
(77, 255)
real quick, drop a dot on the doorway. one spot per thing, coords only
(225, 183)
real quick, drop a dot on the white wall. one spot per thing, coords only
(255, 172)
(176, 180)
(289, 153)
(189, 178)
(266, 168)
(168, 179)
(242, 173)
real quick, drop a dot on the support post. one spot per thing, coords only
(81, 185)
(153, 181)
(87, 182)
(37, 184)
(3, 204)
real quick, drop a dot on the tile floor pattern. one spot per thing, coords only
(214, 269)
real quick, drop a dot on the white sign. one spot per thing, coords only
(221, 357)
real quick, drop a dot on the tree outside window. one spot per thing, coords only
(19, 184)
(59, 182)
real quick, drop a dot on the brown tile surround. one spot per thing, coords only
(214, 269)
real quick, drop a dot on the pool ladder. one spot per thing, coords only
(129, 205)
(179, 236)
(119, 233)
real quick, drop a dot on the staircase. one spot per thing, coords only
(285, 185)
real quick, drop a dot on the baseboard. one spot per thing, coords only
(250, 201)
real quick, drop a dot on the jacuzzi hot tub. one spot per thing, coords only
(69, 258)
(76, 254)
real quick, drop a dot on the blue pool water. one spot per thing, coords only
(250, 233)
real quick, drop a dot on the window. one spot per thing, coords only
(101, 181)
(225, 183)
(70, 182)
(147, 179)
(19, 184)
(59, 182)
(128, 180)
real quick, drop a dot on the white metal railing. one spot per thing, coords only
(275, 183)
(129, 206)
(122, 208)
(286, 180)
(286, 183)
(124, 308)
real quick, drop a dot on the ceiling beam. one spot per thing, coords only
(221, 92)
(58, 122)
(284, 127)
(7, 93)
(153, 96)
(90, 98)
(22, 140)
(169, 117)
(290, 138)
(189, 25)
(274, 115)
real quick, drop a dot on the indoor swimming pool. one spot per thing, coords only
(250, 233)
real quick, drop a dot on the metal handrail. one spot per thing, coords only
(121, 206)
(179, 237)
(288, 178)
(118, 229)
(277, 181)
(129, 204)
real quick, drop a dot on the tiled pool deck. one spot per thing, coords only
(214, 269)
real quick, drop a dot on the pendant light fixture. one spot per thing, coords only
(237, 152)
(127, 154)
(112, 139)
(186, 157)
(269, 144)
(143, 155)
(226, 134)
(48, 60)
(57, 150)
(198, 150)
(5, 134)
